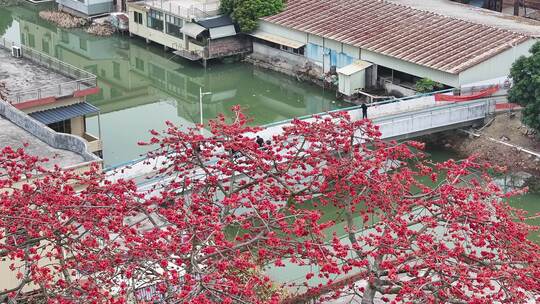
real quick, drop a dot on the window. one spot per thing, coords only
(288, 49)
(174, 25)
(116, 70)
(157, 75)
(137, 17)
(64, 36)
(83, 43)
(45, 46)
(139, 64)
(155, 20)
(31, 40)
(174, 30)
(63, 126)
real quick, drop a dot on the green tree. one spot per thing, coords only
(525, 90)
(247, 12)
(426, 85)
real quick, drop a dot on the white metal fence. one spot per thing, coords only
(436, 117)
(81, 78)
(187, 10)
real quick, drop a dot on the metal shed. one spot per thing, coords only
(352, 77)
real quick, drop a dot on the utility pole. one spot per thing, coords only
(201, 94)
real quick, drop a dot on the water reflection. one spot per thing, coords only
(142, 86)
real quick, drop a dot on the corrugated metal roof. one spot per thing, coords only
(222, 31)
(192, 29)
(425, 38)
(354, 67)
(63, 113)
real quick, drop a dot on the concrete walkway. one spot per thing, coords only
(15, 137)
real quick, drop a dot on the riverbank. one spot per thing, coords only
(500, 142)
(302, 71)
(68, 21)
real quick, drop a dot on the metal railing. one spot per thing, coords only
(432, 118)
(200, 10)
(82, 79)
(358, 107)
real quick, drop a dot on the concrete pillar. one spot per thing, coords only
(374, 75)
(77, 126)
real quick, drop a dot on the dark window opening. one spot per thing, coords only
(116, 70)
(83, 44)
(31, 40)
(139, 64)
(64, 36)
(174, 30)
(137, 17)
(155, 20)
(288, 49)
(63, 126)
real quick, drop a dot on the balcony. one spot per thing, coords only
(94, 143)
(189, 54)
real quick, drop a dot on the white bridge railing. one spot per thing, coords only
(413, 122)
(433, 118)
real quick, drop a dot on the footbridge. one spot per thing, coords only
(435, 119)
(397, 119)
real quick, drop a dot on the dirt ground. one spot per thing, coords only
(506, 128)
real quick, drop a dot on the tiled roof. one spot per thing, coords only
(424, 38)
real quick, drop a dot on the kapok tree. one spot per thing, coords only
(62, 233)
(224, 209)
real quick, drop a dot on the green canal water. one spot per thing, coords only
(142, 86)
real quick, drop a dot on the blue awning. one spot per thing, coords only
(64, 113)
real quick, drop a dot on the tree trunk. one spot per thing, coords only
(369, 294)
(516, 7)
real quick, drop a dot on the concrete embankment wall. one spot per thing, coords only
(56, 140)
(287, 63)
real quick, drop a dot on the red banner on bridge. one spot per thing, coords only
(460, 98)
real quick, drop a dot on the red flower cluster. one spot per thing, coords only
(230, 209)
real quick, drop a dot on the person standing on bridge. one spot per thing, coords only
(364, 110)
(259, 141)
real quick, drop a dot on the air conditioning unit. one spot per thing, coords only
(16, 51)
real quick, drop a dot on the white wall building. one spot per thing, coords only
(402, 42)
(87, 8)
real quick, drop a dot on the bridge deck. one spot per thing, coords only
(402, 119)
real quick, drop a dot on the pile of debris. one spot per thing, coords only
(100, 29)
(63, 19)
